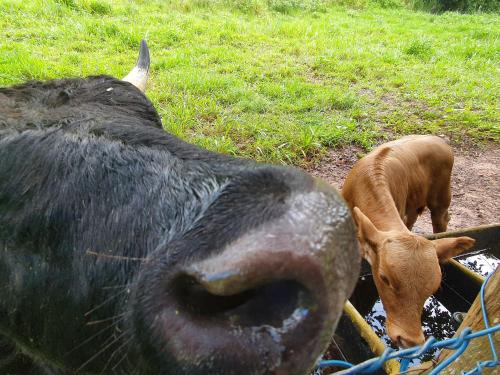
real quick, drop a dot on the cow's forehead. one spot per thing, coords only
(64, 102)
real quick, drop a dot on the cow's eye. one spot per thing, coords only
(385, 279)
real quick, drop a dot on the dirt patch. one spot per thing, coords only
(475, 184)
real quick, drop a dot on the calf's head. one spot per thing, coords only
(406, 272)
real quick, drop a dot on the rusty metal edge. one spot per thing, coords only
(376, 345)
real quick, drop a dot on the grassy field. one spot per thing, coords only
(274, 80)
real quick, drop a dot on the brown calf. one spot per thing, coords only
(387, 190)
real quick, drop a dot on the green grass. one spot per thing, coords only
(274, 80)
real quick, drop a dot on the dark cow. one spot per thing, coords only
(125, 250)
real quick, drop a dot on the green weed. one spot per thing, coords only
(274, 80)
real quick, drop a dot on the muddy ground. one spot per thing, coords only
(475, 184)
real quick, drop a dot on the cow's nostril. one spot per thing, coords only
(195, 299)
(267, 304)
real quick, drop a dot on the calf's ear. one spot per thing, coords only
(447, 248)
(369, 236)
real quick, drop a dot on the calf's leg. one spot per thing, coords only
(410, 219)
(440, 218)
(438, 206)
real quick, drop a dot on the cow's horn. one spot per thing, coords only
(138, 76)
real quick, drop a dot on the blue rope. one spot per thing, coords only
(459, 344)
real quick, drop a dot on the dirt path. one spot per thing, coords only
(475, 184)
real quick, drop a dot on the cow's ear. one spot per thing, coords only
(447, 248)
(369, 237)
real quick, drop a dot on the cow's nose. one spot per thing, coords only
(261, 312)
(266, 303)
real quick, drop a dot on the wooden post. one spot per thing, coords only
(479, 348)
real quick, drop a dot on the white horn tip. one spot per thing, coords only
(138, 76)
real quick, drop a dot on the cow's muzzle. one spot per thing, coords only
(269, 301)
